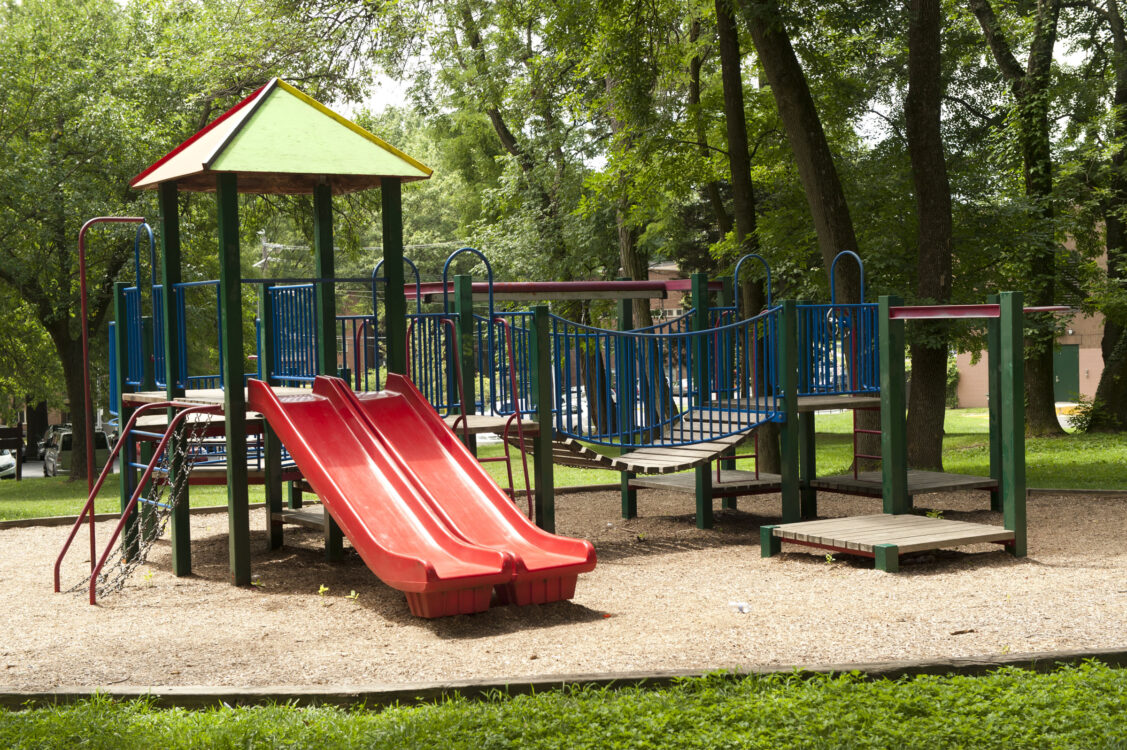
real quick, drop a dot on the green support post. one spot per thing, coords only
(294, 495)
(893, 425)
(271, 445)
(807, 457)
(625, 370)
(1012, 418)
(324, 291)
(463, 312)
(886, 557)
(234, 394)
(787, 363)
(807, 465)
(993, 402)
(179, 521)
(541, 375)
(326, 317)
(395, 300)
(769, 544)
(702, 367)
(127, 457)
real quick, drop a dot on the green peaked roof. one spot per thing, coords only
(279, 140)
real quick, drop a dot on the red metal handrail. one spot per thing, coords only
(132, 504)
(97, 486)
(463, 417)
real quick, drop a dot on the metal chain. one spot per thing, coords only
(152, 513)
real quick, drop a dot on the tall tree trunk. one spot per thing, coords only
(1111, 393)
(1029, 86)
(824, 195)
(743, 191)
(927, 402)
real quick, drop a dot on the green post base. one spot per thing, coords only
(334, 540)
(807, 471)
(293, 495)
(730, 503)
(769, 544)
(272, 487)
(996, 501)
(887, 557)
(629, 497)
(704, 496)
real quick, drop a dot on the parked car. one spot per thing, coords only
(41, 447)
(7, 464)
(57, 457)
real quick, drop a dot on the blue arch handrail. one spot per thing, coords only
(736, 278)
(833, 269)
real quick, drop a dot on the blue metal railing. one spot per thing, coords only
(630, 389)
(838, 351)
(295, 335)
(115, 394)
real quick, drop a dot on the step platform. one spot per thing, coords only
(883, 537)
(732, 483)
(869, 483)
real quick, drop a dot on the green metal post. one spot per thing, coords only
(325, 291)
(807, 465)
(179, 523)
(886, 557)
(127, 457)
(893, 425)
(701, 370)
(395, 300)
(787, 363)
(271, 445)
(463, 311)
(541, 375)
(625, 371)
(326, 316)
(234, 393)
(993, 402)
(769, 544)
(1012, 420)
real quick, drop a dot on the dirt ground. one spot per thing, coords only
(663, 596)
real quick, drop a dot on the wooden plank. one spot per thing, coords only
(730, 480)
(836, 402)
(909, 533)
(478, 424)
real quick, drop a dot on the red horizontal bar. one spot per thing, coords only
(941, 312)
(547, 287)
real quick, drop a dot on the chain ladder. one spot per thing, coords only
(151, 512)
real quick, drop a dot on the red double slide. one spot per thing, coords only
(416, 505)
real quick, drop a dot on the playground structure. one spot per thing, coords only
(679, 395)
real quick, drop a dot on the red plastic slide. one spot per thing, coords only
(414, 501)
(465, 496)
(390, 524)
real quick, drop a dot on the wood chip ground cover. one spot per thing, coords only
(661, 598)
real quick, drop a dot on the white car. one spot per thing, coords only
(57, 458)
(7, 464)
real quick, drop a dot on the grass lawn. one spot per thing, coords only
(1072, 707)
(1071, 461)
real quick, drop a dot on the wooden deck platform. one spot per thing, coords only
(868, 483)
(836, 403)
(478, 424)
(883, 536)
(310, 516)
(732, 482)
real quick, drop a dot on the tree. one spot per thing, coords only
(93, 91)
(1029, 86)
(933, 210)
